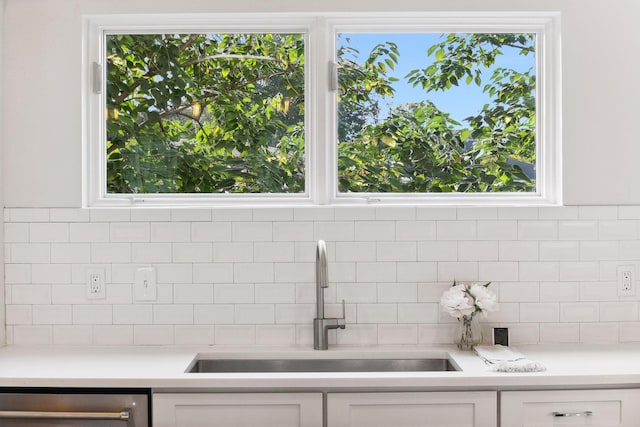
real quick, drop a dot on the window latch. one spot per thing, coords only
(333, 76)
(97, 77)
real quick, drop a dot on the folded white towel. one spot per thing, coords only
(505, 359)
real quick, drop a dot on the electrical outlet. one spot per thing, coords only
(145, 288)
(626, 285)
(95, 284)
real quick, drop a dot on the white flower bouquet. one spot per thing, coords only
(463, 301)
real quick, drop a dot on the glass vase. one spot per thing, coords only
(468, 334)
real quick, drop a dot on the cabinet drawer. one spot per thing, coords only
(610, 408)
(237, 409)
(412, 409)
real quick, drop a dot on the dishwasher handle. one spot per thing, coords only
(117, 416)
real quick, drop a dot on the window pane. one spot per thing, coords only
(425, 112)
(205, 113)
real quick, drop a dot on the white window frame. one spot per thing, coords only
(321, 178)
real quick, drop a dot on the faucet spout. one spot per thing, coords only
(321, 325)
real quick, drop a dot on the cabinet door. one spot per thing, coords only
(412, 409)
(596, 408)
(237, 410)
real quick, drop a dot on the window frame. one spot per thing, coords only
(321, 157)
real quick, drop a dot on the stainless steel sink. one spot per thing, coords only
(319, 365)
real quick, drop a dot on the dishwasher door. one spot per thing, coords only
(70, 408)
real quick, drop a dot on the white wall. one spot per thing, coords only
(43, 68)
(2, 306)
(246, 276)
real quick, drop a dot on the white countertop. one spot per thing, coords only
(163, 368)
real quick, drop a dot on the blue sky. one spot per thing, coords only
(460, 102)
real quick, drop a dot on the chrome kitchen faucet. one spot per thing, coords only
(321, 325)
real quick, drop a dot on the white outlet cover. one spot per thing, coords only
(95, 280)
(622, 271)
(145, 287)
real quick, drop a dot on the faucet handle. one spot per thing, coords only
(341, 321)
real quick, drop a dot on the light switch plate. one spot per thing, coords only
(145, 288)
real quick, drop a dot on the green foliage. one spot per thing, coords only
(224, 113)
(249, 135)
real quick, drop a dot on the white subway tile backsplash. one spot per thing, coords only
(252, 231)
(456, 230)
(578, 230)
(247, 276)
(396, 251)
(52, 314)
(235, 334)
(217, 272)
(132, 314)
(235, 293)
(273, 252)
(559, 291)
(559, 333)
(50, 273)
(484, 213)
(436, 213)
(213, 314)
(294, 272)
(518, 251)
(537, 230)
(148, 253)
(170, 231)
(579, 312)
(293, 231)
(72, 335)
(616, 230)
(254, 314)
(559, 251)
(395, 213)
(89, 232)
(599, 333)
(153, 334)
(32, 335)
(92, 314)
(539, 312)
(393, 334)
(71, 253)
(276, 335)
(498, 230)
(190, 214)
(113, 335)
(497, 271)
(397, 292)
(151, 215)
(597, 212)
(371, 231)
(129, 232)
(418, 313)
(357, 213)
(477, 251)
(187, 293)
(376, 272)
(417, 271)
(113, 252)
(110, 215)
(192, 252)
(16, 233)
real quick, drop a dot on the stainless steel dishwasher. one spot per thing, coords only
(53, 407)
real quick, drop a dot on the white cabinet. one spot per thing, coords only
(412, 409)
(237, 410)
(596, 408)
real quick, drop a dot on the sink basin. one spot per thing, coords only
(319, 365)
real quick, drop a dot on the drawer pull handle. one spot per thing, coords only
(572, 414)
(118, 416)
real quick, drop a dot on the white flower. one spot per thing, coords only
(484, 299)
(457, 302)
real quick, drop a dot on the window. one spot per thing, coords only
(323, 109)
